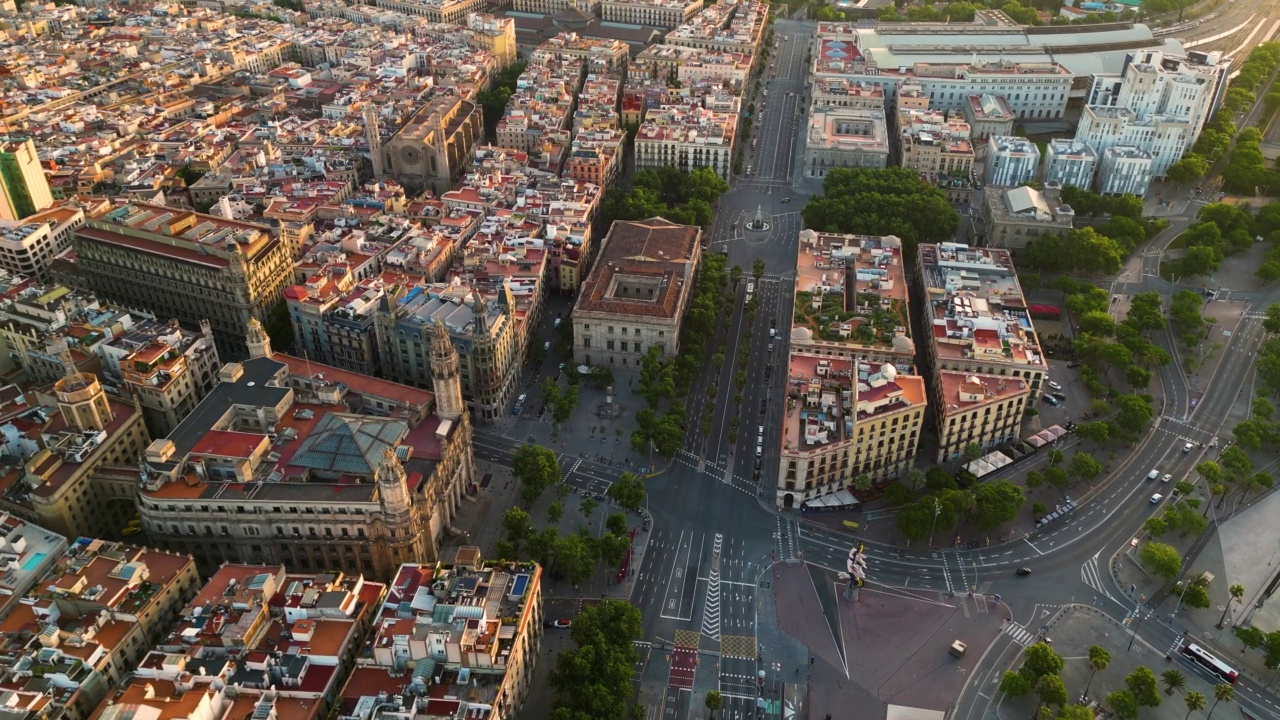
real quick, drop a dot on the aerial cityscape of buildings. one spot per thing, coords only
(196, 524)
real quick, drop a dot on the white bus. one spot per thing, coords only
(1207, 661)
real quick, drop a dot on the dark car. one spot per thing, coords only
(1024, 571)
(1059, 395)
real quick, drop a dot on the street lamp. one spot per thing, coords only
(937, 509)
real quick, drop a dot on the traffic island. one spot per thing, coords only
(890, 647)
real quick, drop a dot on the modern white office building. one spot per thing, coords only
(1011, 161)
(1070, 162)
(1125, 170)
(1158, 103)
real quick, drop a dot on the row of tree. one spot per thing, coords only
(668, 192)
(663, 379)
(1220, 230)
(890, 201)
(946, 506)
(593, 681)
(1216, 137)
(493, 99)
(1041, 673)
(561, 400)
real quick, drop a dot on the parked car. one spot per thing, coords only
(1051, 400)
(1054, 385)
(1062, 397)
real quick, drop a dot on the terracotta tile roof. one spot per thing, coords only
(656, 248)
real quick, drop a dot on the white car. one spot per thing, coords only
(1187, 448)
(1155, 499)
(1055, 385)
(1167, 477)
(759, 450)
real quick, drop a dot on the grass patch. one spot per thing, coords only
(1169, 269)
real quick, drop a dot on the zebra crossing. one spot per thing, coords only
(711, 602)
(1020, 635)
(1090, 575)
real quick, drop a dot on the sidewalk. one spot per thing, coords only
(1241, 551)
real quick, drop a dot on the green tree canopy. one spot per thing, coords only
(536, 468)
(891, 201)
(1161, 559)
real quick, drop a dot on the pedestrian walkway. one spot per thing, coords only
(1020, 635)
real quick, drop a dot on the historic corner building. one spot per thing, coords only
(288, 461)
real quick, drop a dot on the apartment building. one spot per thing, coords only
(851, 300)
(1013, 218)
(258, 640)
(432, 147)
(984, 358)
(24, 190)
(687, 138)
(1158, 87)
(598, 56)
(29, 246)
(845, 137)
(988, 115)
(1070, 162)
(168, 370)
(77, 460)
(290, 460)
(88, 622)
(658, 13)
(1125, 170)
(1164, 138)
(845, 419)
(187, 266)
(27, 553)
(636, 295)
(33, 315)
(480, 323)
(723, 27)
(937, 146)
(335, 318)
(1012, 161)
(454, 639)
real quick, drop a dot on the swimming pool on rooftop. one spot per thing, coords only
(34, 561)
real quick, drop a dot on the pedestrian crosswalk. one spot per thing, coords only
(1091, 576)
(1020, 635)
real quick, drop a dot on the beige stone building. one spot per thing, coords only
(288, 461)
(846, 419)
(637, 293)
(187, 266)
(983, 353)
(433, 147)
(453, 12)
(1013, 218)
(658, 13)
(76, 480)
(168, 369)
(483, 329)
(847, 137)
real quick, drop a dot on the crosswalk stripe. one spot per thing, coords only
(1020, 635)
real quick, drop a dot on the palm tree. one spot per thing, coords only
(1099, 659)
(1237, 592)
(1172, 680)
(1055, 456)
(1194, 701)
(713, 701)
(1221, 691)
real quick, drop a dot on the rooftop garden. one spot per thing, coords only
(872, 321)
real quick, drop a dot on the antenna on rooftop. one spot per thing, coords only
(59, 347)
